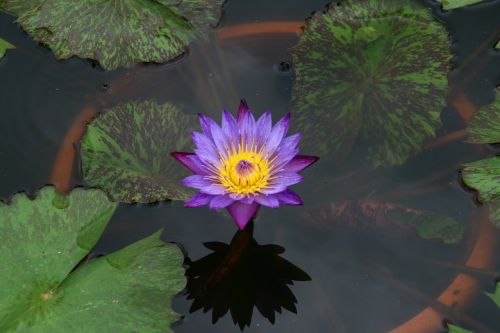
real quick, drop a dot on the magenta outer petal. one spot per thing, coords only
(220, 201)
(300, 162)
(190, 161)
(289, 197)
(267, 200)
(242, 213)
(199, 199)
(243, 110)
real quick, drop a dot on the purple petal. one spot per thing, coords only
(277, 133)
(273, 189)
(263, 126)
(205, 149)
(247, 128)
(267, 200)
(289, 197)
(287, 150)
(199, 199)
(287, 178)
(190, 161)
(220, 201)
(247, 199)
(243, 110)
(196, 181)
(206, 124)
(220, 140)
(230, 127)
(214, 189)
(242, 213)
(299, 163)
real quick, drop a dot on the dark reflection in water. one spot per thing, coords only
(236, 277)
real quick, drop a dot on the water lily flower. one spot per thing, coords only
(243, 164)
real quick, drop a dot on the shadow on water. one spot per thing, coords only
(239, 276)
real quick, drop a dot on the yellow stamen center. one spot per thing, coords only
(245, 170)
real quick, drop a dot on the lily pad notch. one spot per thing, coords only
(47, 286)
(116, 33)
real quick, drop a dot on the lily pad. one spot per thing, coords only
(484, 177)
(126, 152)
(495, 297)
(371, 73)
(429, 225)
(485, 124)
(457, 329)
(452, 4)
(116, 33)
(4, 46)
(41, 291)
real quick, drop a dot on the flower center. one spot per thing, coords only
(244, 171)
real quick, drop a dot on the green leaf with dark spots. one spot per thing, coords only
(452, 4)
(485, 124)
(484, 177)
(429, 225)
(126, 152)
(19, 7)
(495, 297)
(41, 291)
(371, 74)
(4, 46)
(457, 329)
(116, 33)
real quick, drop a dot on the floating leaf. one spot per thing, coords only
(484, 177)
(116, 33)
(4, 46)
(456, 329)
(485, 124)
(387, 218)
(452, 4)
(19, 7)
(126, 152)
(374, 73)
(45, 239)
(495, 297)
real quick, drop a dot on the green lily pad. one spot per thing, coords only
(485, 124)
(19, 7)
(126, 152)
(495, 297)
(484, 177)
(41, 291)
(116, 33)
(457, 329)
(452, 4)
(4, 46)
(429, 225)
(371, 73)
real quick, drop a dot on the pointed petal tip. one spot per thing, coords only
(242, 213)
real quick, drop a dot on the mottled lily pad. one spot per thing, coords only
(386, 218)
(4, 46)
(371, 73)
(126, 152)
(41, 291)
(116, 33)
(495, 297)
(452, 4)
(485, 124)
(484, 177)
(457, 329)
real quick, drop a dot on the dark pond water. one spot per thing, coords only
(363, 278)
